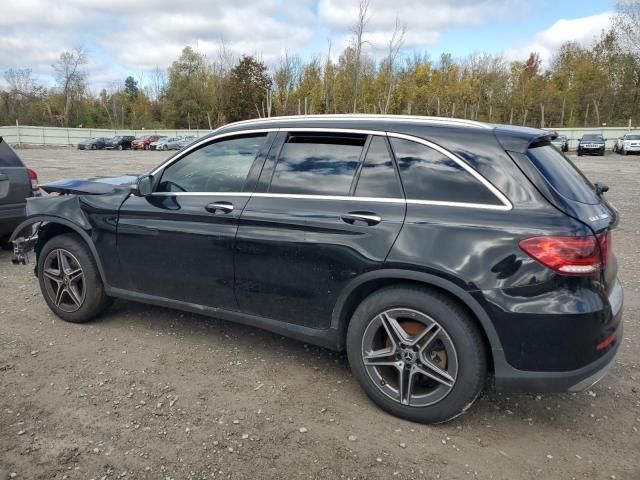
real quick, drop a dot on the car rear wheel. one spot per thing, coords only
(417, 354)
(120, 147)
(70, 281)
(165, 148)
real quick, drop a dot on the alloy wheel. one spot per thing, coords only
(64, 280)
(409, 357)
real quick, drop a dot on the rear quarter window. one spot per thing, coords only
(562, 174)
(8, 158)
(432, 176)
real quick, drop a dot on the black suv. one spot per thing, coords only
(591, 144)
(119, 143)
(433, 251)
(17, 183)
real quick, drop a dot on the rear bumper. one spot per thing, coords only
(512, 379)
(10, 217)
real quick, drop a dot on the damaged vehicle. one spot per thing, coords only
(435, 251)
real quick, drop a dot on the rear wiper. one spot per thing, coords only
(601, 188)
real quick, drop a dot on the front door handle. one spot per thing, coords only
(367, 217)
(3, 176)
(215, 207)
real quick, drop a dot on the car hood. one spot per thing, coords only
(93, 186)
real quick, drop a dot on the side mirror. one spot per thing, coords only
(144, 186)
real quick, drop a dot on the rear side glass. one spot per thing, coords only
(378, 176)
(8, 158)
(562, 174)
(317, 165)
(430, 175)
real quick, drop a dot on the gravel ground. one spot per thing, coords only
(148, 392)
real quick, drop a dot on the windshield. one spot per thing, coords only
(563, 175)
(632, 137)
(593, 137)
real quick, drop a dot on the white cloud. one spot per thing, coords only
(584, 31)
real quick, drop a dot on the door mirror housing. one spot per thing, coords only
(144, 186)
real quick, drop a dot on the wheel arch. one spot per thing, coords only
(370, 282)
(53, 226)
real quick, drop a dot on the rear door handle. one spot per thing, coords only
(367, 217)
(3, 176)
(215, 207)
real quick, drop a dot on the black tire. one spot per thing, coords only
(460, 329)
(94, 300)
(165, 148)
(120, 147)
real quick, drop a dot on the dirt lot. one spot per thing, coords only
(147, 392)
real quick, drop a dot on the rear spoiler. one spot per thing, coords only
(520, 139)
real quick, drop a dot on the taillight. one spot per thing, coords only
(33, 179)
(567, 255)
(604, 240)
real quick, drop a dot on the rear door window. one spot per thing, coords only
(562, 174)
(378, 176)
(432, 176)
(317, 164)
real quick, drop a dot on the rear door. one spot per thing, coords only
(328, 208)
(14, 184)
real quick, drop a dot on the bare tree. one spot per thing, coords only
(286, 78)
(393, 49)
(71, 78)
(627, 24)
(358, 32)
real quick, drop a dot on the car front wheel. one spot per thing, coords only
(70, 281)
(417, 354)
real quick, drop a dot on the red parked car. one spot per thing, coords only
(144, 142)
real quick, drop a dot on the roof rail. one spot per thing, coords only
(369, 117)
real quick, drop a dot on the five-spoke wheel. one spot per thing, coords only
(417, 353)
(64, 280)
(410, 357)
(70, 280)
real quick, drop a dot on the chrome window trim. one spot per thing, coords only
(201, 194)
(506, 204)
(330, 197)
(205, 140)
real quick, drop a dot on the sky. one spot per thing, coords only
(125, 37)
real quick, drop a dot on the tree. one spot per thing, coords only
(247, 88)
(71, 79)
(189, 94)
(358, 42)
(131, 88)
(627, 22)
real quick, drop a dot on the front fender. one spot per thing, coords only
(52, 219)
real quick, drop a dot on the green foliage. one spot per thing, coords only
(580, 87)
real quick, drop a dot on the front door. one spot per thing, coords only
(177, 243)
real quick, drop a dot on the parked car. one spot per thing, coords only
(92, 144)
(120, 142)
(180, 143)
(591, 144)
(433, 251)
(144, 143)
(162, 143)
(17, 183)
(629, 143)
(561, 142)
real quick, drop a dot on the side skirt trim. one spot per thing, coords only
(324, 338)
